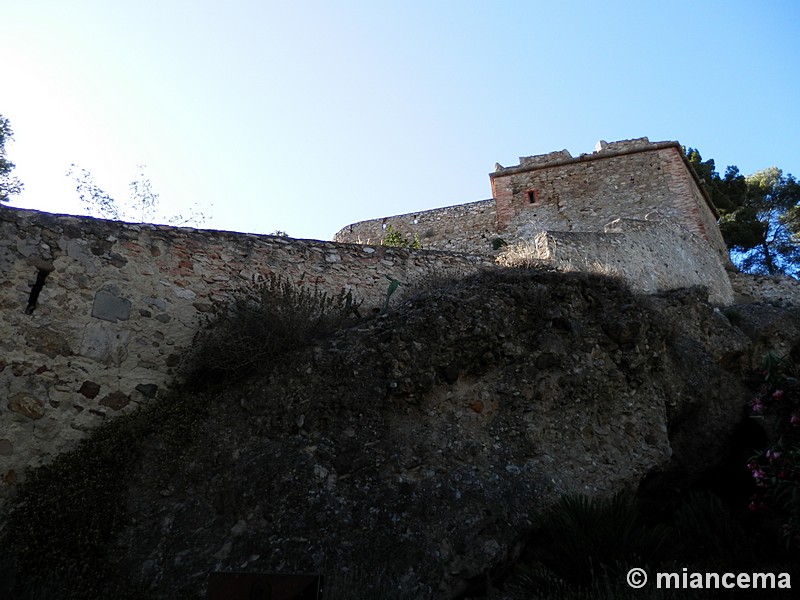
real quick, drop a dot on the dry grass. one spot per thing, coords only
(528, 253)
(542, 251)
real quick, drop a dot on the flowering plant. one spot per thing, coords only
(776, 469)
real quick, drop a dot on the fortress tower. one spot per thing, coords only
(630, 179)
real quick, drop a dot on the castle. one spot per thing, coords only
(94, 314)
(557, 192)
(633, 207)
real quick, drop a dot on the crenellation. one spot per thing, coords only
(641, 143)
(544, 159)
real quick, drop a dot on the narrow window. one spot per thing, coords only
(533, 196)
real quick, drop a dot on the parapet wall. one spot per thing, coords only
(118, 303)
(467, 227)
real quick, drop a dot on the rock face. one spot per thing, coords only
(424, 444)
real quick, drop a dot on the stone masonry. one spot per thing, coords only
(630, 179)
(95, 315)
(676, 242)
(464, 228)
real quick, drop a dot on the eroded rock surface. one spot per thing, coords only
(424, 443)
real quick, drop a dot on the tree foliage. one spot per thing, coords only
(142, 205)
(759, 215)
(9, 185)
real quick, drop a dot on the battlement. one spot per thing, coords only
(602, 150)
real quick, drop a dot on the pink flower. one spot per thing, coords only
(772, 455)
(777, 394)
(756, 406)
(795, 420)
(758, 473)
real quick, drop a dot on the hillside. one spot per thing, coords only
(417, 449)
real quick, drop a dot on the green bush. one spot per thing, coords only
(396, 239)
(259, 323)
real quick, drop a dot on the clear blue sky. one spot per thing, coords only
(307, 115)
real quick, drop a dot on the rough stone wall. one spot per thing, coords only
(464, 228)
(117, 304)
(94, 315)
(777, 290)
(650, 256)
(629, 179)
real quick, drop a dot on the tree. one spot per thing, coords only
(774, 245)
(759, 216)
(8, 185)
(728, 192)
(142, 205)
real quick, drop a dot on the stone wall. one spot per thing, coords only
(94, 315)
(464, 228)
(652, 256)
(629, 179)
(778, 290)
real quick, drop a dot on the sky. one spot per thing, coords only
(305, 116)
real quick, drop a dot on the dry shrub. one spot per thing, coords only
(541, 252)
(527, 253)
(259, 323)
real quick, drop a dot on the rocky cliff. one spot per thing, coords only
(421, 446)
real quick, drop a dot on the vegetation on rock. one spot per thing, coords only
(776, 468)
(60, 534)
(257, 324)
(419, 453)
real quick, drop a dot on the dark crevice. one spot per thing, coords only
(35, 290)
